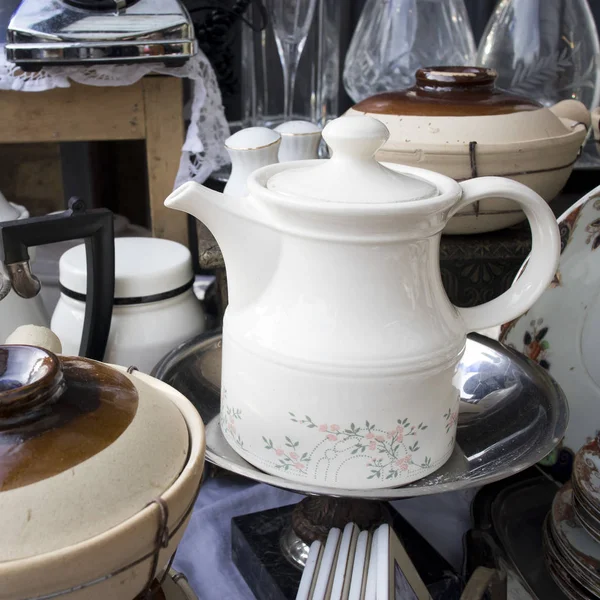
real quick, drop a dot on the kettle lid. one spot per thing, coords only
(143, 267)
(351, 175)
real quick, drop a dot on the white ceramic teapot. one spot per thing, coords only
(339, 342)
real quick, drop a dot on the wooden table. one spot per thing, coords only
(149, 110)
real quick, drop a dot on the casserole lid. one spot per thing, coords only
(351, 175)
(83, 448)
(449, 92)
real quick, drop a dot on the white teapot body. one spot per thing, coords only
(340, 345)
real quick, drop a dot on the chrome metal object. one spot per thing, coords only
(58, 33)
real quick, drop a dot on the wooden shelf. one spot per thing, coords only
(149, 110)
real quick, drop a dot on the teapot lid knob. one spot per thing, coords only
(355, 136)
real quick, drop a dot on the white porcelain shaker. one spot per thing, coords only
(299, 140)
(249, 149)
(155, 307)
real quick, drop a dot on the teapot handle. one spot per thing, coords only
(542, 262)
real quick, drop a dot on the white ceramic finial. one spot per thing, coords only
(359, 137)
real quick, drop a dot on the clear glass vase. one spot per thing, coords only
(546, 50)
(394, 38)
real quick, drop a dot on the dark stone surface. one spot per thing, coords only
(256, 554)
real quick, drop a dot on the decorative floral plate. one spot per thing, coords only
(561, 332)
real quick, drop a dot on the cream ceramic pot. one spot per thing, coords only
(90, 473)
(455, 122)
(339, 343)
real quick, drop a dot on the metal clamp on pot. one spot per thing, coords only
(96, 226)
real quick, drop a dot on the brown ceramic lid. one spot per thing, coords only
(449, 92)
(56, 413)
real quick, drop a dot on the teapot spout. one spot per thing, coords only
(243, 231)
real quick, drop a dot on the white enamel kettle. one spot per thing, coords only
(340, 344)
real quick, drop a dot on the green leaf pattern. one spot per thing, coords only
(229, 416)
(388, 453)
(451, 418)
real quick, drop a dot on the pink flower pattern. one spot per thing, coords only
(288, 457)
(451, 419)
(392, 450)
(404, 463)
(389, 452)
(228, 418)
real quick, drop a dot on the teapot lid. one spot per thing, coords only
(351, 175)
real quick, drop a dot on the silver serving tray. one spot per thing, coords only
(512, 415)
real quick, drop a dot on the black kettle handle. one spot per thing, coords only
(97, 227)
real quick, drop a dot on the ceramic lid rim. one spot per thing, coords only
(447, 190)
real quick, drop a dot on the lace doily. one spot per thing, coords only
(203, 151)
